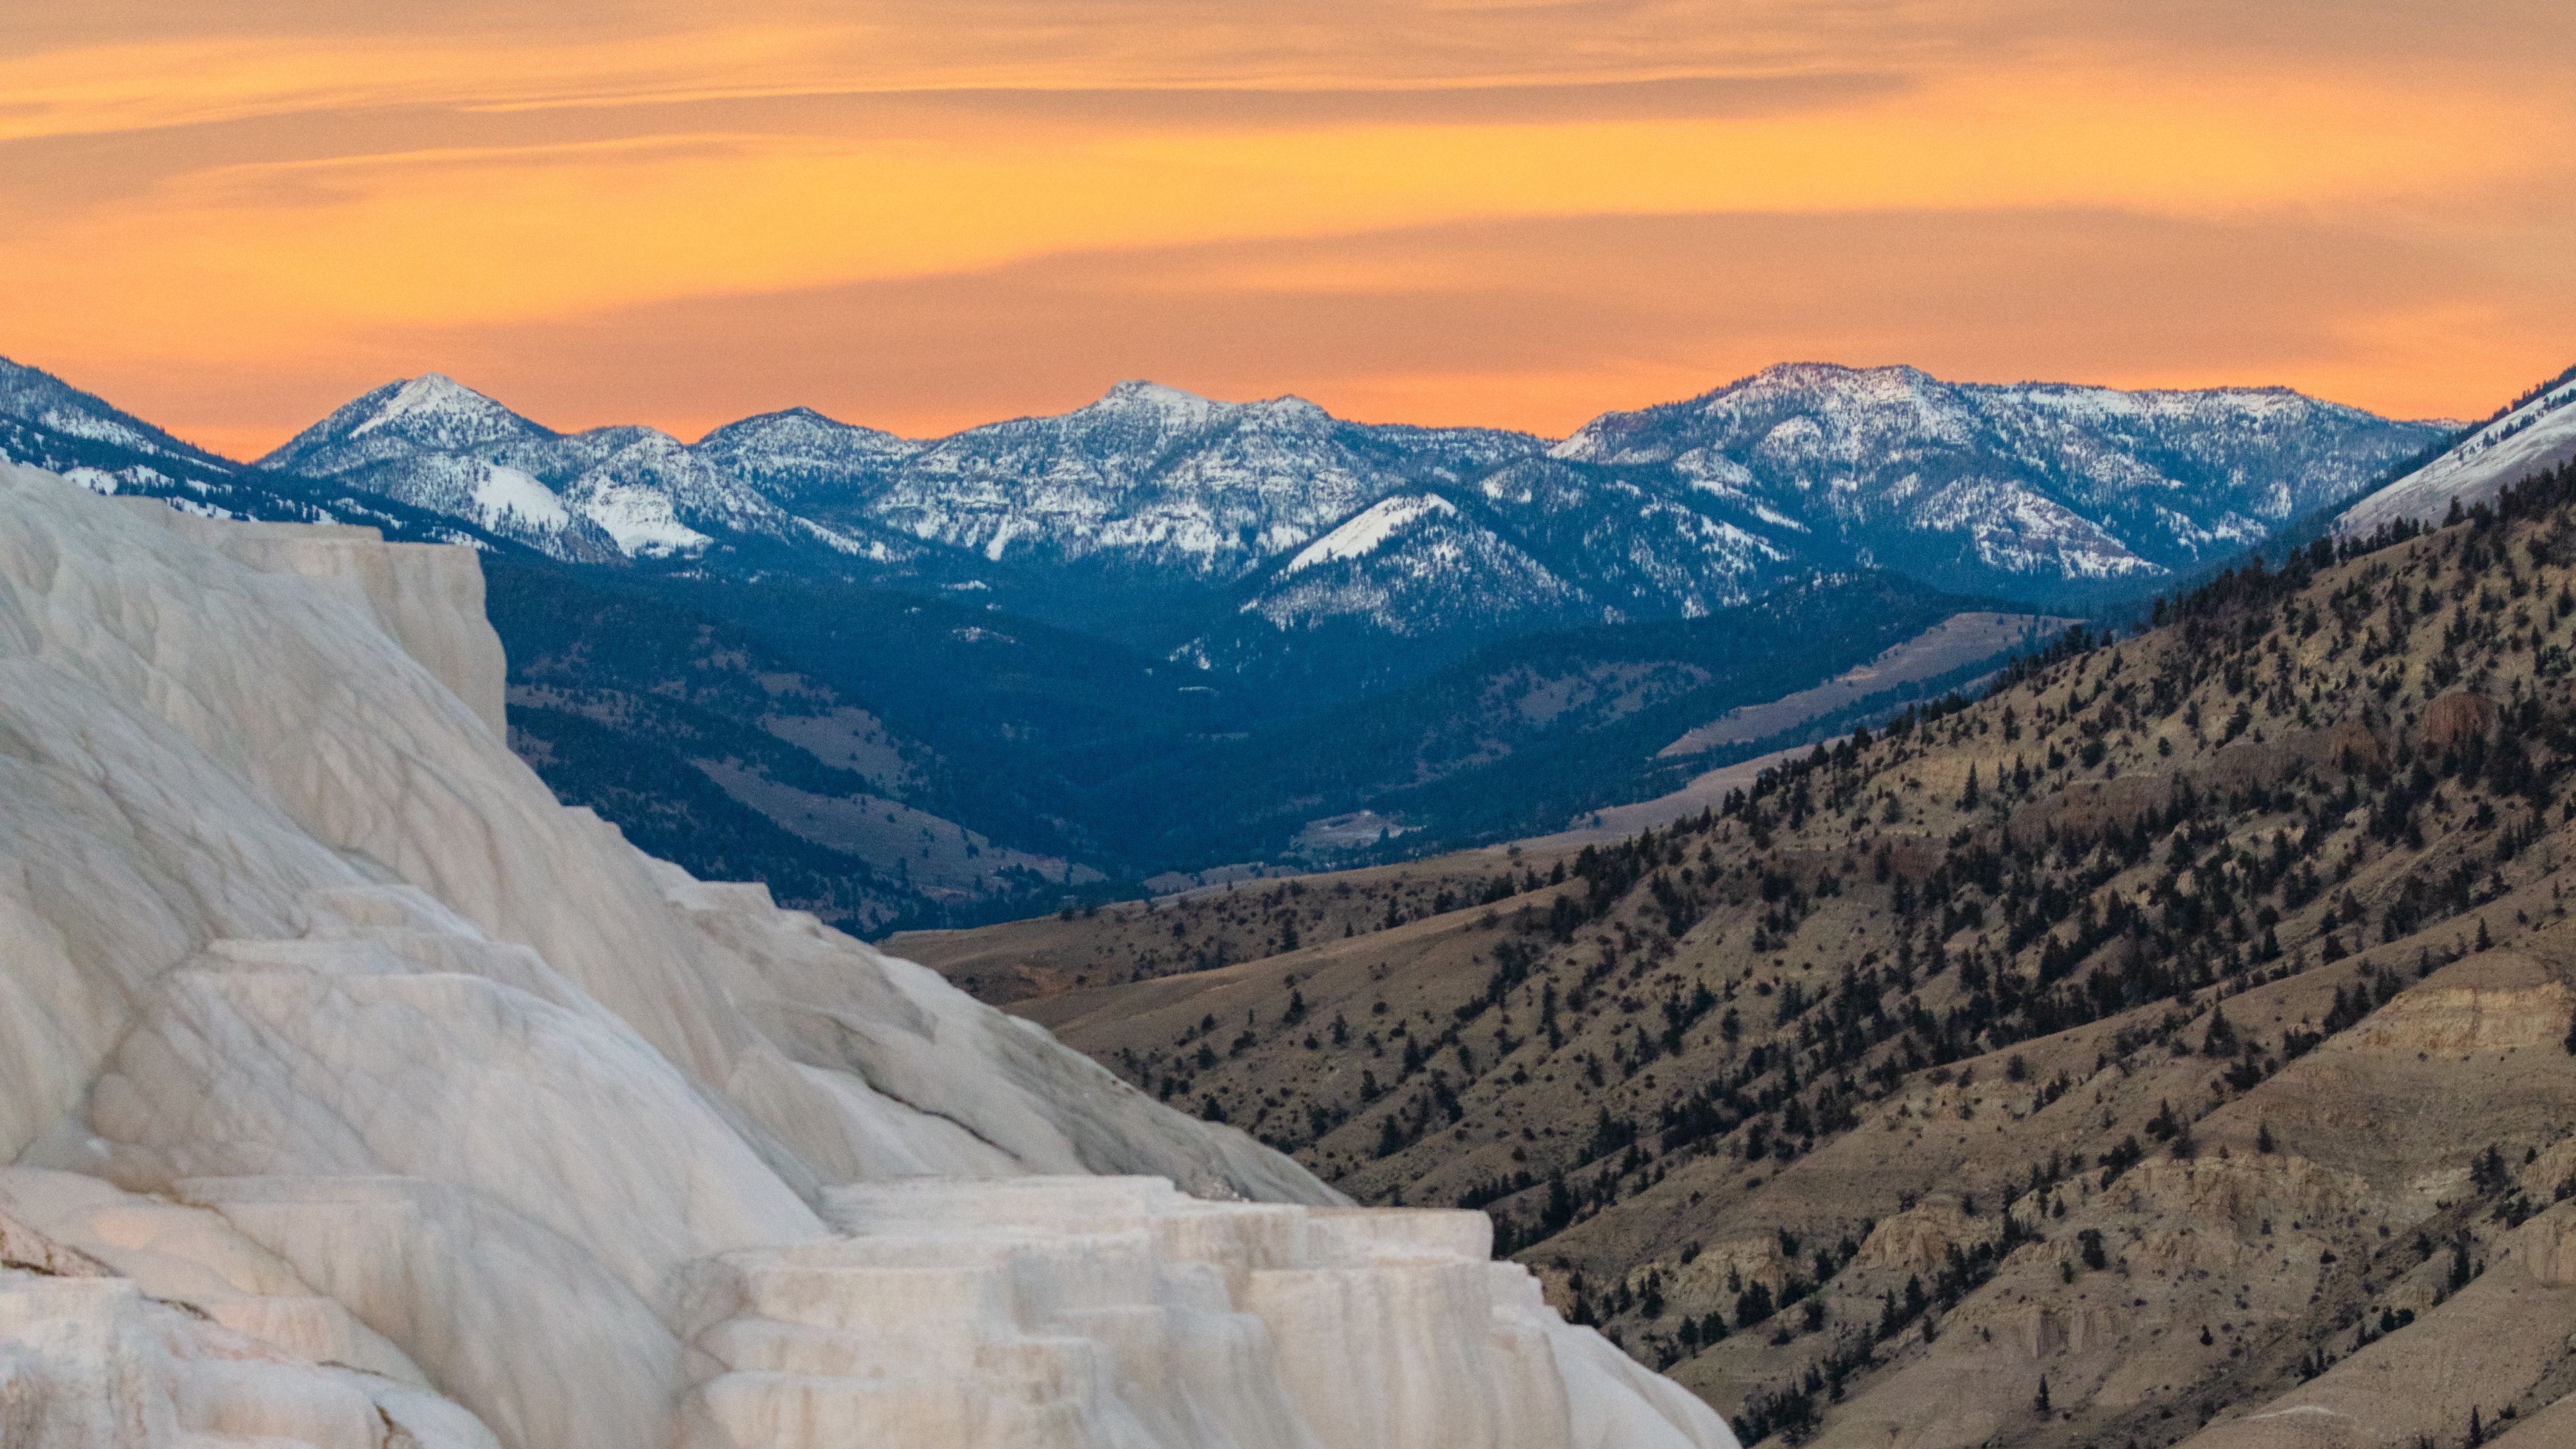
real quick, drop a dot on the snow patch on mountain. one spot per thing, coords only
(2018, 531)
(1373, 527)
(77, 424)
(1415, 569)
(871, 549)
(509, 498)
(1742, 547)
(1713, 473)
(642, 521)
(2537, 435)
(653, 475)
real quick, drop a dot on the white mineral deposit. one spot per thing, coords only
(357, 1095)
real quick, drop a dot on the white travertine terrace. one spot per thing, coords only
(357, 1095)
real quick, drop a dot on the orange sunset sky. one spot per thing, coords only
(232, 215)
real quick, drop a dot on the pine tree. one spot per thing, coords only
(2039, 1401)
(2221, 1039)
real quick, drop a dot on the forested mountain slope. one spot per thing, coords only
(2172, 1046)
(677, 725)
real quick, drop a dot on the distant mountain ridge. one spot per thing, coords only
(588, 497)
(47, 423)
(800, 457)
(1801, 465)
(2001, 485)
(2038, 492)
(1167, 479)
(1666, 511)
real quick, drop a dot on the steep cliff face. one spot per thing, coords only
(356, 1093)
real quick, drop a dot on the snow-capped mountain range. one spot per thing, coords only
(1302, 518)
(1231, 529)
(1151, 477)
(626, 492)
(2014, 488)
(47, 423)
(2537, 433)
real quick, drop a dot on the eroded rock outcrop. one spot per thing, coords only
(361, 1094)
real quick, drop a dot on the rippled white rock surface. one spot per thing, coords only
(358, 1094)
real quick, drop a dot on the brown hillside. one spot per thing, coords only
(2172, 1047)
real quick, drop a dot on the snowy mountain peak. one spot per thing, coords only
(805, 417)
(1139, 392)
(1835, 374)
(804, 432)
(432, 411)
(799, 458)
(1861, 386)
(1824, 394)
(1181, 407)
(432, 394)
(1168, 408)
(1289, 405)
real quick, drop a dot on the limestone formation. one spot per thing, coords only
(358, 1094)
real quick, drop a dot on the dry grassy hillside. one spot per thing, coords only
(2172, 1047)
(1211, 929)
